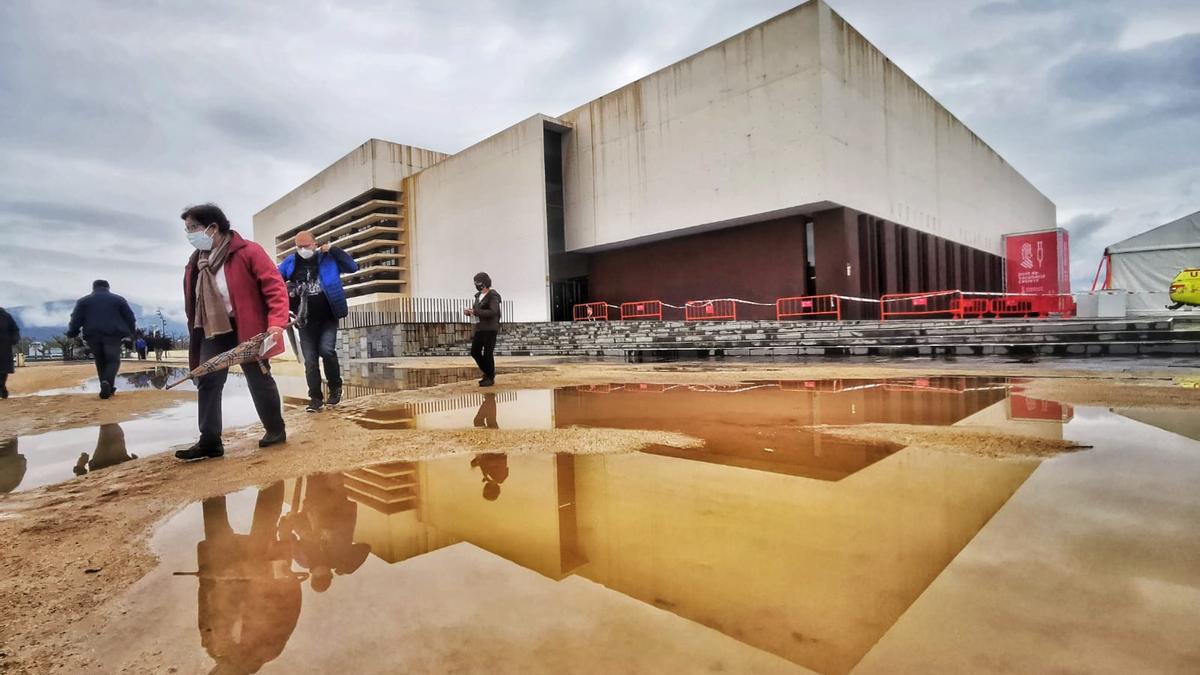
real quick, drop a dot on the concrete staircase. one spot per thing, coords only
(1017, 337)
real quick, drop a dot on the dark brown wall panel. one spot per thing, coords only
(759, 262)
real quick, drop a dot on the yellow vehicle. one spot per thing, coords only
(1185, 289)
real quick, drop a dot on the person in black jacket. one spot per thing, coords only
(10, 334)
(487, 309)
(105, 319)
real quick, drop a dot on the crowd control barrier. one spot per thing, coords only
(591, 311)
(809, 306)
(948, 304)
(917, 305)
(642, 309)
(710, 310)
(970, 308)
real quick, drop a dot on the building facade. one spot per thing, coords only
(791, 159)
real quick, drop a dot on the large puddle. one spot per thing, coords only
(32, 461)
(768, 550)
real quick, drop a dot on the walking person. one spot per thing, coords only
(10, 335)
(162, 344)
(140, 345)
(487, 309)
(316, 273)
(106, 320)
(231, 292)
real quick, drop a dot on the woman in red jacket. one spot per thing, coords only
(232, 292)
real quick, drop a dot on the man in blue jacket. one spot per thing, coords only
(105, 319)
(317, 273)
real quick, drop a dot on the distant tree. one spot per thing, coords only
(62, 342)
(23, 345)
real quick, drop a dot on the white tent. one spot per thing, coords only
(1145, 264)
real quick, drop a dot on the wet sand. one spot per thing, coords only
(29, 415)
(83, 542)
(994, 443)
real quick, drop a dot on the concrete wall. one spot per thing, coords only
(374, 164)
(484, 209)
(789, 116)
(724, 134)
(889, 149)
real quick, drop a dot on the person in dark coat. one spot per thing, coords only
(486, 308)
(231, 292)
(10, 335)
(105, 319)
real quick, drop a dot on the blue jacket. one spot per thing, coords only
(331, 266)
(102, 314)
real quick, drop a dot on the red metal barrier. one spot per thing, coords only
(590, 311)
(1058, 305)
(808, 306)
(970, 308)
(710, 310)
(642, 309)
(1016, 305)
(916, 305)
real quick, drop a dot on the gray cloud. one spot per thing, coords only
(118, 113)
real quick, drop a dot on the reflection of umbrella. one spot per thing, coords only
(250, 350)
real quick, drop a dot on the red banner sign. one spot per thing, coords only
(1037, 263)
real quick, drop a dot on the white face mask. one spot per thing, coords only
(305, 253)
(202, 240)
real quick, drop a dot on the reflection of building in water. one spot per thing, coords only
(406, 416)
(428, 505)
(814, 571)
(765, 426)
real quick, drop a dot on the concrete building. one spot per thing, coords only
(791, 159)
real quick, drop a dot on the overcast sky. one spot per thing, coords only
(116, 114)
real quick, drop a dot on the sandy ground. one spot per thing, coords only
(976, 441)
(84, 541)
(38, 414)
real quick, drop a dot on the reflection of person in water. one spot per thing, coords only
(249, 596)
(323, 531)
(110, 450)
(494, 466)
(12, 465)
(486, 417)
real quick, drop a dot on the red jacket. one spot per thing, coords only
(256, 290)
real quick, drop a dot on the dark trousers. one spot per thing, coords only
(317, 340)
(483, 345)
(106, 352)
(4, 382)
(141, 354)
(263, 391)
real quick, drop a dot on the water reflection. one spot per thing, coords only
(322, 530)
(110, 450)
(12, 465)
(249, 597)
(813, 571)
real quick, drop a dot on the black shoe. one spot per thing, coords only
(201, 451)
(335, 396)
(487, 382)
(314, 405)
(106, 390)
(3, 394)
(272, 438)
